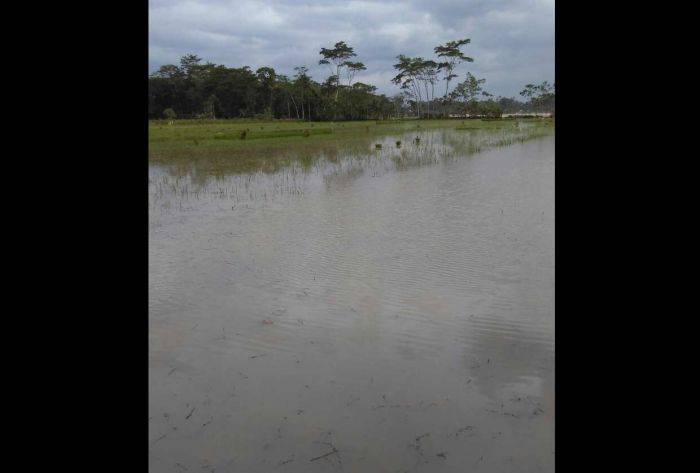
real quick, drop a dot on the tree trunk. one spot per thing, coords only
(337, 82)
(427, 97)
(419, 98)
(444, 103)
(295, 106)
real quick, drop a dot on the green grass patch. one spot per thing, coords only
(220, 141)
(272, 134)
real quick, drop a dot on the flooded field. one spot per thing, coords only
(357, 309)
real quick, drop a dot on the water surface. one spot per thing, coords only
(389, 311)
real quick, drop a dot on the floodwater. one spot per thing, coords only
(388, 311)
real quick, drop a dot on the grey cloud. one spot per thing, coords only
(512, 40)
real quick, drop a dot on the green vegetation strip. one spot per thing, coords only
(260, 135)
(187, 140)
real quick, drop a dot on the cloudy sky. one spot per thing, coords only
(512, 40)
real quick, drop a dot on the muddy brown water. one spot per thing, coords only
(362, 313)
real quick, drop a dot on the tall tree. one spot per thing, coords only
(468, 90)
(428, 75)
(415, 74)
(353, 68)
(210, 106)
(303, 82)
(287, 88)
(337, 57)
(408, 77)
(452, 56)
(539, 97)
(267, 78)
(529, 91)
(169, 71)
(398, 101)
(188, 64)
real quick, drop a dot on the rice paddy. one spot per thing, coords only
(229, 146)
(403, 275)
(195, 162)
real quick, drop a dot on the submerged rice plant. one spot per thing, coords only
(262, 170)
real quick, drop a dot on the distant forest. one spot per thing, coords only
(195, 90)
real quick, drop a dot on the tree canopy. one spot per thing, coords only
(197, 89)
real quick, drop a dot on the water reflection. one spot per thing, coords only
(352, 313)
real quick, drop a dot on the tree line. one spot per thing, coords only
(193, 89)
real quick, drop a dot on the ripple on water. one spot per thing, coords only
(365, 310)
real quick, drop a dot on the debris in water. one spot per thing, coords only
(463, 430)
(324, 456)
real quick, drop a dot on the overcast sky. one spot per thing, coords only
(512, 40)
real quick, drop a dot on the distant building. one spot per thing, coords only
(505, 115)
(533, 114)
